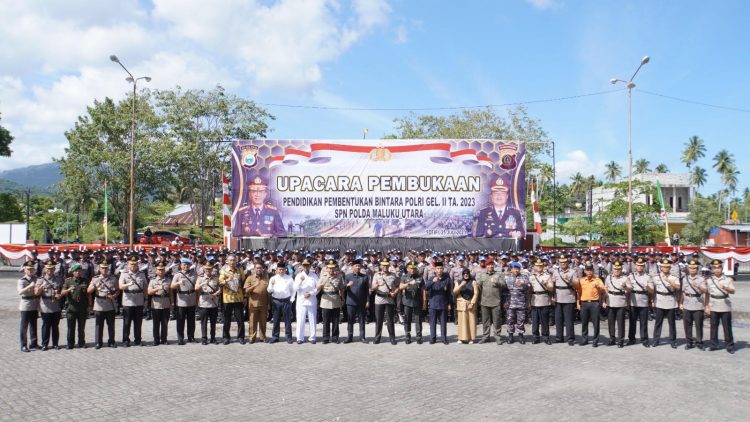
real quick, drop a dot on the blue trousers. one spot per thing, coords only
(436, 315)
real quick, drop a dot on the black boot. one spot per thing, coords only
(510, 338)
(521, 339)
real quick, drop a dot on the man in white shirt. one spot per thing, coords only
(281, 288)
(306, 288)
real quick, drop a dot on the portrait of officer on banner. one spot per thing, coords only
(499, 218)
(259, 217)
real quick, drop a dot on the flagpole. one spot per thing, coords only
(106, 222)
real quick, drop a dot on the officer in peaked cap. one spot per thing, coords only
(499, 218)
(259, 217)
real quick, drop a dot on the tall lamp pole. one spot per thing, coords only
(131, 214)
(629, 83)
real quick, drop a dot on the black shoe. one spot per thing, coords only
(325, 341)
(82, 346)
(226, 341)
(611, 342)
(24, 349)
(213, 341)
(156, 343)
(313, 341)
(33, 346)
(432, 341)
(393, 342)
(69, 347)
(711, 348)
(631, 342)
(335, 340)
(408, 340)
(521, 339)
(363, 340)
(595, 344)
(289, 341)
(272, 341)
(445, 342)
(730, 350)
(347, 341)
(242, 341)
(45, 348)
(510, 339)
(673, 344)
(535, 341)
(620, 345)
(700, 346)
(485, 340)
(645, 344)
(98, 346)
(204, 342)
(300, 341)
(655, 343)
(126, 343)
(56, 347)
(583, 343)
(180, 342)
(571, 343)
(377, 341)
(559, 340)
(419, 340)
(548, 342)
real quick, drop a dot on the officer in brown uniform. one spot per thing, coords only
(542, 294)
(208, 290)
(618, 288)
(565, 281)
(105, 289)
(331, 286)
(720, 286)
(161, 304)
(667, 289)
(29, 290)
(256, 290)
(692, 305)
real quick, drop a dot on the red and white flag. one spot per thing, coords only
(225, 204)
(537, 216)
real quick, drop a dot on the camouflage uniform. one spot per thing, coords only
(518, 291)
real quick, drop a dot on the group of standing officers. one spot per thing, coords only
(496, 288)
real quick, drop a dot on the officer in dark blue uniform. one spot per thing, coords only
(260, 218)
(438, 292)
(357, 295)
(499, 219)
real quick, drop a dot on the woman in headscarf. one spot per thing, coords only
(467, 294)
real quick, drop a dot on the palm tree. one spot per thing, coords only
(613, 171)
(578, 185)
(723, 161)
(546, 176)
(695, 148)
(661, 168)
(724, 164)
(641, 166)
(698, 177)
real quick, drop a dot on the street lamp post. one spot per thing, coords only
(134, 81)
(629, 83)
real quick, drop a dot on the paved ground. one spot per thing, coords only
(371, 382)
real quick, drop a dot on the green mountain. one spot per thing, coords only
(39, 178)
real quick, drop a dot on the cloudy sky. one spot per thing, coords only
(54, 61)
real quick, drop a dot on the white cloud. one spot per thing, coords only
(54, 56)
(579, 161)
(282, 45)
(542, 4)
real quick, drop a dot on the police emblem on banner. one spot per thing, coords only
(380, 154)
(249, 156)
(508, 154)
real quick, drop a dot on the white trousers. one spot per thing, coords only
(311, 312)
